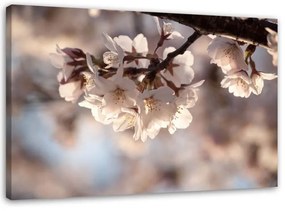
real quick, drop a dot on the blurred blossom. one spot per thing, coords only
(94, 12)
(272, 39)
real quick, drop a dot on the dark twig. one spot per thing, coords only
(162, 65)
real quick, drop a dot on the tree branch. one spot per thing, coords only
(156, 68)
(162, 65)
(250, 30)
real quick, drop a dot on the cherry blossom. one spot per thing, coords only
(187, 98)
(272, 40)
(137, 89)
(239, 84)
(67, 60)
(115, 56)
(166, 30)
(156, 109)
(94, 103)
(227, 54)
(119, 92)
(75, 87)
(179, 70)
(258, 80)
(134, 48)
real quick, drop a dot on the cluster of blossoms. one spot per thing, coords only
(241, 76)
(132, 87)
(126, 89)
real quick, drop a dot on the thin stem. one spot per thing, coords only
(162, 65)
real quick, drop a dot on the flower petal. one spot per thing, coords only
(90, 64)
(267, 76)
(182, 118)
(57, 60)
(156, 20)
(140, 44)
(109, 43)
(124, 42)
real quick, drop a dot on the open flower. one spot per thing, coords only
(239, 84)
(272, 40)
(74, 88)
(134, 48)
(227, 54)
(258, 80)
(179, 71)
(74, 76)
(187, 98)
(115, 56)
(156, 109)
(118, 92)
(68, 60)
(94, 103)
(166, 30)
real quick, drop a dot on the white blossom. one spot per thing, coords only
(166, 30)
(94, 103)
(118, 92)
(125, 120)
(94, 12)
(227, 54)
(138, 46)
(187, 98)
(60, 60)
(258, 80)
(70, 91)
(115, 56)
(179, 71)
(239, 84)
(272, 40)
(156, 109)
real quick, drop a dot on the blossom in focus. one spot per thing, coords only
(166, 30)
(117, 92)
(227, 54)
(239, 84)
(272, 40)
(115, 56)
(94, 103)
(258, 80)
(179, 71)
(156, 109)
(127, 91)
(132, 48)
(187, 98)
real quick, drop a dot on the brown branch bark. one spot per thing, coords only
(162, 65)
(154, 69)
(250, 30)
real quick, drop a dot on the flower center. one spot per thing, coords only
(242, 84)
(151, 104)
(87, 81)
(110, 57)
(167, 28)
(130, 120)
(119, 96)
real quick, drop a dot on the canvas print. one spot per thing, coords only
(110, 103)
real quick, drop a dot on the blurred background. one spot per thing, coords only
(56, 149)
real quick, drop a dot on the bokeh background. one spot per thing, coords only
(56, 149)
